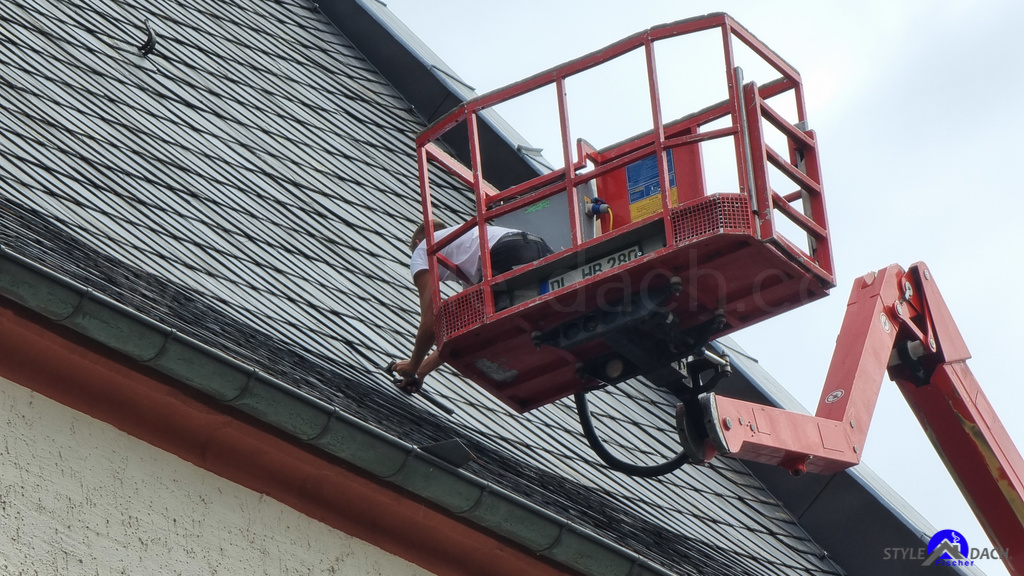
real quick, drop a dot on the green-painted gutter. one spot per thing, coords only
(310, 420)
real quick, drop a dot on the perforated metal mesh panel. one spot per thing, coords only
(459, 313)
(716, 214)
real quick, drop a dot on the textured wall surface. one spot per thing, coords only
(78, 496)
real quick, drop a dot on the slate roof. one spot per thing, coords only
(251, 184)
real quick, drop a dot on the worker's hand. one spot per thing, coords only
(405, 368)
(409, 384)
(407, 381)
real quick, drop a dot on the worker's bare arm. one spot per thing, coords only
(420, 364)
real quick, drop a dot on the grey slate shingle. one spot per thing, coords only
(252, 185)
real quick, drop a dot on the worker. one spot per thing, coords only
(508, 248)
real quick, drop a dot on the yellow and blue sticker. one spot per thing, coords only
(644, 187)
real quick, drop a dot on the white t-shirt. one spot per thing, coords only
(464, 252)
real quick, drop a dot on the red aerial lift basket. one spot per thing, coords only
(650, 277)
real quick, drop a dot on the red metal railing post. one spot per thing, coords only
(659, 137)
(734, 81)
(823, 253)
(481, 206)
(570, 172)
(428, 221)
(757, 156)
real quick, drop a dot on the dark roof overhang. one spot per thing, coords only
(431, 87)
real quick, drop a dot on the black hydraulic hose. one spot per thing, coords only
(669, 466)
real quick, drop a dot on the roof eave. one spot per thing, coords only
(216, 374)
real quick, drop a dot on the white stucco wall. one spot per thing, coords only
(79, 497)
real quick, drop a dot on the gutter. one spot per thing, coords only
(244, 387)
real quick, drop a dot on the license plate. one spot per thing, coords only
(588, 270)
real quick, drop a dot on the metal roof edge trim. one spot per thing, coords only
(446, 77)
(895, 503)
(310, 420)
(413, 45)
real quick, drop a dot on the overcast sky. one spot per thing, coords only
(917, 107)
